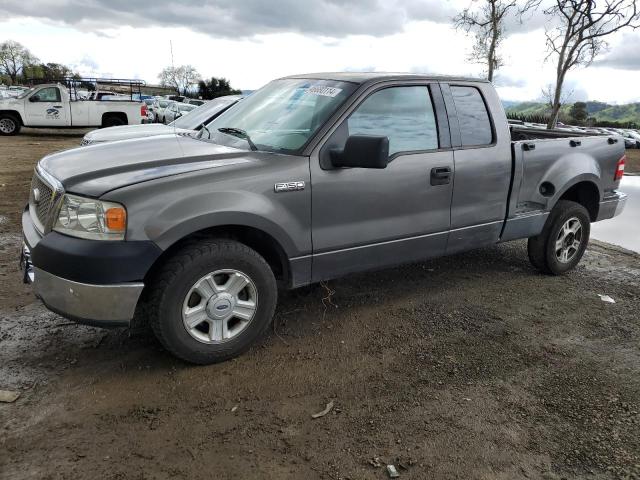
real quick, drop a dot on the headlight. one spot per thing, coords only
(91, 219)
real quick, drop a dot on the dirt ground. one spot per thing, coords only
(633, 161)
(473, 366)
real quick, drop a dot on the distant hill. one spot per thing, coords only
(602, 112)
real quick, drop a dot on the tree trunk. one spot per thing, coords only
(491, 57)
(556, 104)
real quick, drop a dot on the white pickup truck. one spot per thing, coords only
(52, 106)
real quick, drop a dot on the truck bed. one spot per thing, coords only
(545, 166)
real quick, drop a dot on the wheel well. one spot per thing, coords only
(263, 243)
(587, 195)
(13, 113)
(121, 115)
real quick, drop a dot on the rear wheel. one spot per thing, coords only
(563, 240)
(211, 300)
(9, 124)
(113, 121)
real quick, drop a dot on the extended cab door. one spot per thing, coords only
(370, 218)
(482, 152)
(45, 108)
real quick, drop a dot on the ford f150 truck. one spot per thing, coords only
(310, 178)
(52, 106)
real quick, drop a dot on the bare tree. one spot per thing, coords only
(579, 37)
(487, 24)
(14, 57)
(181, 78)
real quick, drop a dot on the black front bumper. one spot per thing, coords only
(93, 282)
(89, 261)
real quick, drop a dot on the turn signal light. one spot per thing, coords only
(620, 168)
(116, 219)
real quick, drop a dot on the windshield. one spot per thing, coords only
(203, 113)
(282, 116)
(26, 92)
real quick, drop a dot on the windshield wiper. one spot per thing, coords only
(238, 132)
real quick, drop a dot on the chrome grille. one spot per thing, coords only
(42, 199)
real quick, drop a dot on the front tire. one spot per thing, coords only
(211, 300)
(563, 240)
(9, 124)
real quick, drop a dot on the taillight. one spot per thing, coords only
(620, 168)
(143, 110)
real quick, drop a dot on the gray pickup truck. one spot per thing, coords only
(310, 178)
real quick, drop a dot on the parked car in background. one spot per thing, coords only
(175, 98)
(308, 179)
(51, 105)
(158, 108)
(194, 101)
(631, 138)
(151, 113)
(176, 110)
(187, 124)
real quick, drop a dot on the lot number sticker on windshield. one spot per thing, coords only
(324, 91)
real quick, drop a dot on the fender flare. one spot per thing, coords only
(227, 219)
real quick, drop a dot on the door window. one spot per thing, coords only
(403, 114)
(49, 94)
(473, 118)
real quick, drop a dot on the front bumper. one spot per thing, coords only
(98, 305)
(88, 281)
(612, 206)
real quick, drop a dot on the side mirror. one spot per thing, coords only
(34, 98)
(362, 151)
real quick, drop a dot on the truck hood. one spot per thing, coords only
(127, 132)
(97, 169)
(10, 102)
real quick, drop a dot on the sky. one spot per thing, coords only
(251, 42)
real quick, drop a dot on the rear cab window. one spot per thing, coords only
(473, 117)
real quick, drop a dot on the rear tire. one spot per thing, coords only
(563, 240)
(194, 309)
(9, 124)
(113, 121)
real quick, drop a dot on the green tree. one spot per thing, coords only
(216, 87)
(47, 71)
(14, 57)
(578, 112)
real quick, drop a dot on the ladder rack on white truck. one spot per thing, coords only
(59, 103)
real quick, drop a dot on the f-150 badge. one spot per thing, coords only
(288, 187)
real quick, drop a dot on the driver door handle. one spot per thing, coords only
(440, 175)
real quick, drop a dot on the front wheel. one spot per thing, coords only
(563, 240)
(9, 125)
(211, 300)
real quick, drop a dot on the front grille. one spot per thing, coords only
(41, 201)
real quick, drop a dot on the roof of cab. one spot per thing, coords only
(365, 77)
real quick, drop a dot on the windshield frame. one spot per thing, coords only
(319, 129)
(227, 104)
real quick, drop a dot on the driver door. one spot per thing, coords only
(45, 108)
(364, 218)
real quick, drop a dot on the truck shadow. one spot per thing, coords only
(38, 343)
